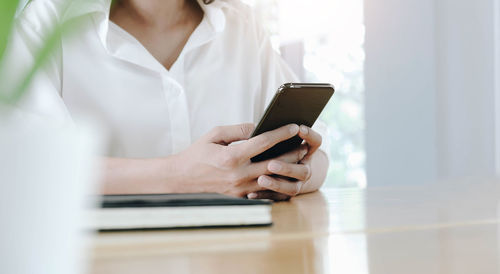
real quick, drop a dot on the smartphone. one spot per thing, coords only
(293, 103)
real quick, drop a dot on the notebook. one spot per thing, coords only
(168, 211)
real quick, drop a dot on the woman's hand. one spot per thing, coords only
(212, 165)
(215, 163)
(294, 177)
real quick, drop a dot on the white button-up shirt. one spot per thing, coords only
(226, 74)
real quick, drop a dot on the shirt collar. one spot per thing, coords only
(77, 8)
(214, 14)
(213, 22)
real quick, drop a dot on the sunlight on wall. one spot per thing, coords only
(322, 40)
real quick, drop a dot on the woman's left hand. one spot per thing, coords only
(292, 176)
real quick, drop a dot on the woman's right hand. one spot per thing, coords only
(211, 164)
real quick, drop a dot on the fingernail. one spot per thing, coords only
(263, 181)
(274, 166)
(294, 129)
(303, 153)
(304, 129)
(252, 195)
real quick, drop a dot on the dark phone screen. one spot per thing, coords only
(293, 103)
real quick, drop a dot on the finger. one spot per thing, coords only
(300, 172)
(295, 155)
(254, 170)
(242, 190)
(280, 185)
(312, 138)
(225, 135)
(269, 195)
(251, 187)
(262, 142)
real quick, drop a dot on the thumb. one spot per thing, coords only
(225, 135)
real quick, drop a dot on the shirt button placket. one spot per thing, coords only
(180, 132)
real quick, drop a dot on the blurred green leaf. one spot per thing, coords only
(41, 58)
(7, 14)
(53, 38)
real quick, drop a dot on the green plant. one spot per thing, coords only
(7, 13)
(7, 23)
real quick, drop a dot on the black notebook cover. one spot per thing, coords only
(175, 200)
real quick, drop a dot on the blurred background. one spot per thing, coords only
(417, 84)
(417, 91)
(323, 41)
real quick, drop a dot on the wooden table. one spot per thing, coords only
(450, 227)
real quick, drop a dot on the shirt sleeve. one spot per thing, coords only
(43, 95)
(275, 72)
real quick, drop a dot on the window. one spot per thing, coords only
(322, 40)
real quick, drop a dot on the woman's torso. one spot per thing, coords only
(225, 75)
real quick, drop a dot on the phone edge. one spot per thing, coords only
(281, 90)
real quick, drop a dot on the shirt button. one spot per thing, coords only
(172, 87)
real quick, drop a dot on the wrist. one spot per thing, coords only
(170, 174)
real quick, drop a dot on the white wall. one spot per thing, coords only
(465, 73)
(400, 91)
(496, 12)
(430, 85)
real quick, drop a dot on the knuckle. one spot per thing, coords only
(246, 129)
(216, 131)
(285, 169)
(307, 173)
(238, 155)
(265, 140)
(297, 189)
(320, 139)
(236, 178)
(293, 191)
(277, 187)
(298, 155)
(229, 160)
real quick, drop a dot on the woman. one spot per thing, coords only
(175, 82)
